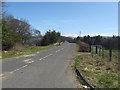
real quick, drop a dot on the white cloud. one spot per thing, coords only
(91, 34)
(70, 34)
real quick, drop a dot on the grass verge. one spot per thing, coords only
(25, 51)
(97, 72)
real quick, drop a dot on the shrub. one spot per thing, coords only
(18, 47)
(84, 47)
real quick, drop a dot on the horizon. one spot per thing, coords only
(91, 36)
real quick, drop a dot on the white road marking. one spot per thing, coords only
(59, 50)
(45, 56)
(8, 73)
(18, 69)
(27, 65)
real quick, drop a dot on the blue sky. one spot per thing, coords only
(91, 18)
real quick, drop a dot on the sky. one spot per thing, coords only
(69, 18)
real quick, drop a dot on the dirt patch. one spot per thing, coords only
(4, 75)
(28, 61)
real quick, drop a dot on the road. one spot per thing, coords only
(45, 69)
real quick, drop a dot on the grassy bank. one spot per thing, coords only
(25, 51)
(98, 72)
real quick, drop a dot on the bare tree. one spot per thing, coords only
(21, 28)
(37, 33)
(36, 38)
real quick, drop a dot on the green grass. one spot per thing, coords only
(77, 61)
(98, 72)
(108, 80)
(25, 51)
(114, 56)
(106, 54)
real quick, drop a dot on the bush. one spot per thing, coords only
(18, 47)
(84, 47)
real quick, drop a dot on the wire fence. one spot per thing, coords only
(109, 54)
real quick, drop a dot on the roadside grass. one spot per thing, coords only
(98, 72)
(24, 51)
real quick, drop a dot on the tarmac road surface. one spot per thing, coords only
(45, 69)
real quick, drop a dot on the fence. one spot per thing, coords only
(109, 54)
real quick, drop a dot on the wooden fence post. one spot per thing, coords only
(92, 50)
(96, 50)
(102, 52)
(110, 54)
(99, 51)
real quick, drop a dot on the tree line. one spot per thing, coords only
(16, 31)
(107, 42)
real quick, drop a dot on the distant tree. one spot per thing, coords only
(59, 37)
(46, 39)
(77, 40)
(98, 40)
(87, 39)
(50, 37)
(53, 37)
(106, 42)
(69, 39)
(111, 42)
(37, 36)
